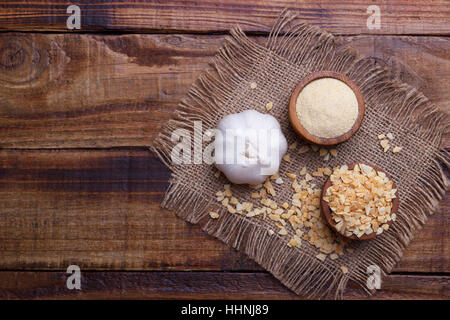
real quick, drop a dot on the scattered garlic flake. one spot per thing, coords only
(214, 215)
(292, 146)
(227, 190)
(255, 195)
(303, 149)
(396, 149)
(253, 85)
(384, 143)
(293, 243)
(287, 158)
(385, 139)
(344, 269)
(291, 175)
(323, 152)
(274, 176)
(317, 174)
(321, 257)
(269, 187)
(334, 256)
(269, 106)
(333, 152)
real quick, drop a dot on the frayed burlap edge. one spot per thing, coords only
(317, 50)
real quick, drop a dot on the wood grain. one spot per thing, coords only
(100, 209)
(198, 285)
(98, 91)
(344, 17)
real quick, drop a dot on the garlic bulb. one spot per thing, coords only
(249, 147)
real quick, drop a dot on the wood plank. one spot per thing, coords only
(198, 285)
(94, 91)
(83, 91)
(344, 17)
(99, 209)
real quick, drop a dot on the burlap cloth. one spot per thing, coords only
(294, 50)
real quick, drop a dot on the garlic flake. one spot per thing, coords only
(249, 147)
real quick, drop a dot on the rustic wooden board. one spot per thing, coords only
(99, 209)
(198, 285)
(84, 91)
(344, 17)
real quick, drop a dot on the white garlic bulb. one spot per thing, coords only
(249, 147)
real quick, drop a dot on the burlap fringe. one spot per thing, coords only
(315, 49)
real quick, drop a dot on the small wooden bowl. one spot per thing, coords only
(326, 211)
(295, 122)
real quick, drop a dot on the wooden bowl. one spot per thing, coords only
(326, 211)
(295, 122)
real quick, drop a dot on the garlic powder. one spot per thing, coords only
(327, 107)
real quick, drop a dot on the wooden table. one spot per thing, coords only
(79, 108)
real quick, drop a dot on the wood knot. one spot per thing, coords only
(22, 62)
(11, 56)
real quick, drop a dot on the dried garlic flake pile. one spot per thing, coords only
(360, 200)
(302, 215)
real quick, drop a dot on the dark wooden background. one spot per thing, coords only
(77, 110)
